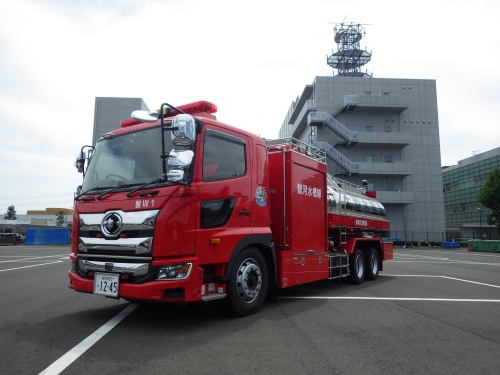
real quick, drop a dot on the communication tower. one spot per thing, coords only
(349, 57)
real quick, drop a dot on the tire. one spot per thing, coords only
(357, 267)
(371, 264)
(247, 285)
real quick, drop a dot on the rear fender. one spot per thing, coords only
(369, 243)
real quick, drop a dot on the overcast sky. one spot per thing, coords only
(250, 58)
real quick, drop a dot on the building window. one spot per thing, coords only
(388, 159)
(385, 93)
(390, 186)
(369, 129)
(387, 128)
(368, 93)
(369, 158)
(371, 186)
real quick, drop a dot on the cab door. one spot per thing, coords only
(224, 194)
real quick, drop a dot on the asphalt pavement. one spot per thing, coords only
(431, 311)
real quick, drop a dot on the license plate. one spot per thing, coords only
(106, 284)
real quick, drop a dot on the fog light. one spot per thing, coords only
(174, 272)
(73, 266)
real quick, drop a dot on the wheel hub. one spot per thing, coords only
(249, 280)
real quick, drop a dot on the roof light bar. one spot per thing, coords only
(129, 122)
(191, 108)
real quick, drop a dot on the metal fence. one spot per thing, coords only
(8, 238)
(437, 236)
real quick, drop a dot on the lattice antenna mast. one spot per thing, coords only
(349, 57)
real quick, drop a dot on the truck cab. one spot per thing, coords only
(167, 221)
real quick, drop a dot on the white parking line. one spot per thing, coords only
(31, 258)
(444, 277)
(398, 299)
(34, 265)
(58, 366)
(409, 299)
(422, 259)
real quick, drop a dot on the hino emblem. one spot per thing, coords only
(111, 224)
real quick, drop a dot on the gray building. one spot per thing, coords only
(109, 112)
(385, 131)
(465, 216)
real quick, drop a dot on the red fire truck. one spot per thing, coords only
(214, 213)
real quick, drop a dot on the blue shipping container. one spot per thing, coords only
(46, 236)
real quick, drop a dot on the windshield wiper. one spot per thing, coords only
(115, 188)
(88, 192)
(144, 185)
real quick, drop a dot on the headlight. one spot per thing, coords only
(174, 271)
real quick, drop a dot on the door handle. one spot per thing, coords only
(244, 212)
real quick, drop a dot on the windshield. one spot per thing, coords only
(132, 158)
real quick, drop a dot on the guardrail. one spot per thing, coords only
(338, 158)
(334, 125)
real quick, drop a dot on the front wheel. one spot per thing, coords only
(357, 266)
(247, 284)
(372, 262)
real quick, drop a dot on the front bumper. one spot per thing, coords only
(190, 289)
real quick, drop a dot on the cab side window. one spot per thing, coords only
(223, 156)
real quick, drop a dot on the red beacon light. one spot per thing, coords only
(201, 106)
(129, 122)
(197, 107)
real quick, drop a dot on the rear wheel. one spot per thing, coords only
(372, 264)
(357, 267)
(247, 285)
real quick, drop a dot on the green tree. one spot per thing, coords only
(60, 218)
(10, 214)
(489, 197)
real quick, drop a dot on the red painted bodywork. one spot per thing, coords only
(295, 216)
(298, 217)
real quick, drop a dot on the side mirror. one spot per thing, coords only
(145, 116)
(80, 162)
(186, 133)
(178, 162)
(180, 158)
(175, 175)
